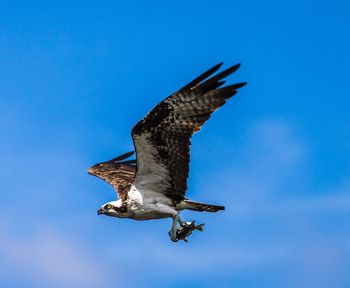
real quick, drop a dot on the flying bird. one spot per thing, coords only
(154, 185)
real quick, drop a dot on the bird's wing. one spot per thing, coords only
(162, 139)
(120, 174)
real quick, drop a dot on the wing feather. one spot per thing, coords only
(119, 174)
(162, 139)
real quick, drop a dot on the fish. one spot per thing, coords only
(186, 230)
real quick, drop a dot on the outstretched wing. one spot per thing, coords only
(163, 138)
(120, 174)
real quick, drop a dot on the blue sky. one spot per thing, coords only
(76, 75)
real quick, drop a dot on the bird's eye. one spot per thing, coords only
(108, 206)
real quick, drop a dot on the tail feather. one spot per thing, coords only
(197, 206)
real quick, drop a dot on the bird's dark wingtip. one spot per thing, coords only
(122, 157)
(240, 85)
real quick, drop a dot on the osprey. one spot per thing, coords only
(154, 185)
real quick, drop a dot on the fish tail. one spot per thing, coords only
(200, 227)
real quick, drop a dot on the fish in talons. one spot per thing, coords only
(186, 230)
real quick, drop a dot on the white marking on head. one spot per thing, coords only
(109, 208)
(117, 203)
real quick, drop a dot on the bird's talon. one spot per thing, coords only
(174, 239)
(173, 236)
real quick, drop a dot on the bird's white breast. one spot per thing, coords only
(149, 204)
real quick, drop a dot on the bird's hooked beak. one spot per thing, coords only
(99, 211)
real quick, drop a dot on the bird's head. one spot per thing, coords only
(113, 208)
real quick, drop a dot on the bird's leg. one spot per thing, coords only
(173, 230)
(182, 223)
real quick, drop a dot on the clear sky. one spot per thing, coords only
(75, 76)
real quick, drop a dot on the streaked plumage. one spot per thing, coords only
(117, 173)
(155, 186)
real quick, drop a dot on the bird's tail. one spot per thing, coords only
(197, 206)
